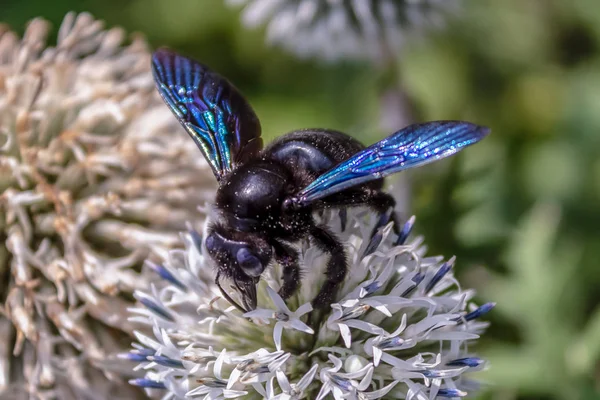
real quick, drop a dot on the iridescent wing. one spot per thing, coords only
(410, 147)
(211, 109)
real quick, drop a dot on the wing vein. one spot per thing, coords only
(212, 111)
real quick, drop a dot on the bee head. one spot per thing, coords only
(241, 258)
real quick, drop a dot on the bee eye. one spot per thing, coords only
(249, 263)
(210, 243)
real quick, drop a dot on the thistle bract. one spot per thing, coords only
(399, 327)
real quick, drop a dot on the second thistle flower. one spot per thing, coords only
(344, 29)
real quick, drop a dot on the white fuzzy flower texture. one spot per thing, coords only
(401, 326)
(345, 29)
(95, 177)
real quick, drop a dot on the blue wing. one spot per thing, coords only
(410, 147)
(211, 109)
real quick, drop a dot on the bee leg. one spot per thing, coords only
(337, 266)
(383, 204)
(343, 213)
(287, 257)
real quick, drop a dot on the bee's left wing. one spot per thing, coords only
(211, 109)
(410, 147)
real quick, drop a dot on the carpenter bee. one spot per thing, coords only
(267, 196)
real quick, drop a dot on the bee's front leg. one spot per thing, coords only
(287, 257)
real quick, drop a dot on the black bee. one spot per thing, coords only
(266, 197)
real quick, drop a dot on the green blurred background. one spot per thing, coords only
(519, 210)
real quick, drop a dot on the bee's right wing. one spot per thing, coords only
(410, 147)
(211, 110)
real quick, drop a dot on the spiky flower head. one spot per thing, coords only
(400, 327)
(348, 29)
(95, 176)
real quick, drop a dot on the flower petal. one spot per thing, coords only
(345, 332)
(308, 377)
(282, 379)
(262, 313)
(278, 301)
(277, 331)
(300, 326)
(303, 309)
(325, 389)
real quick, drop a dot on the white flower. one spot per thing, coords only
(285, 318)
(343, 384)
(215, 387)
(256, 367)
(344, 318)
(291, 391)
(332, 29)
(399, 327)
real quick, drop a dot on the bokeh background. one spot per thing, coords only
(520, 210)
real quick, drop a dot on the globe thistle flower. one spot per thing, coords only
(401, 326)
(344, 29)
(94, 178)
